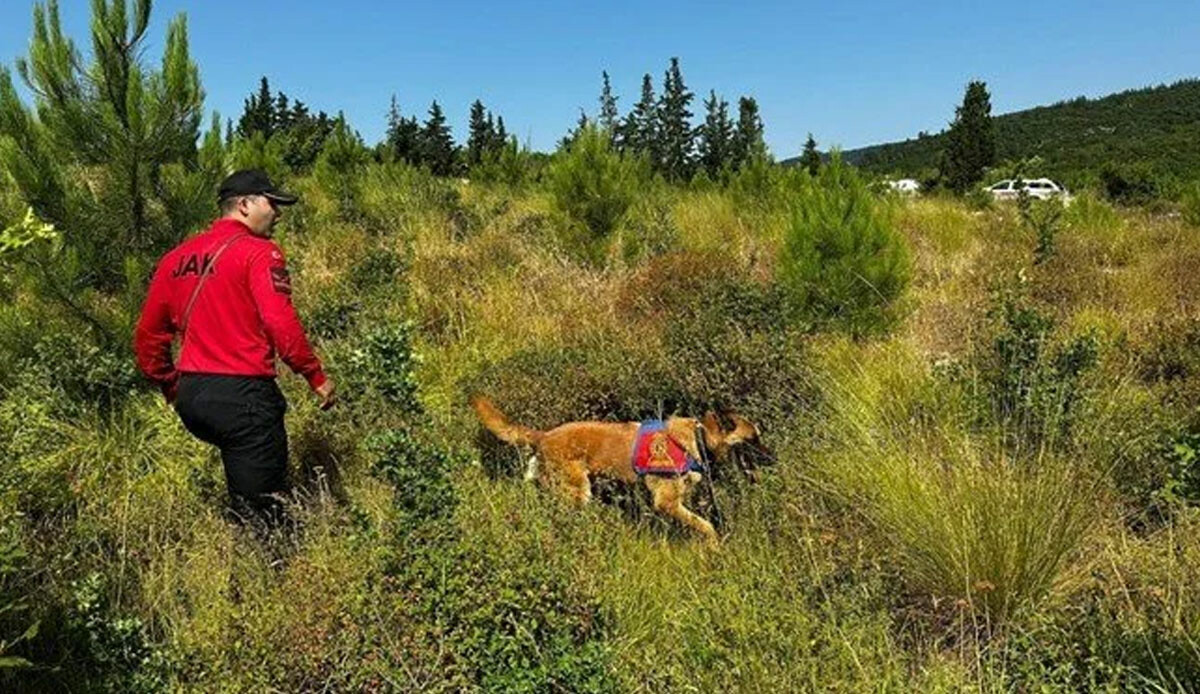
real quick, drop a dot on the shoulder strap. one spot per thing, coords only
(204, 272)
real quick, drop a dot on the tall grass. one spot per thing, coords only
(967, 522)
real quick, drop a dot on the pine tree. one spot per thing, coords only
(281, 113)
(580, 125)
(479, 133)
(436, 143)
(676, 140)
(810, 158)
(608, 107)
(638, 132)
(105, 147)
(258, 113)
(748, 144)
(499, 135)
(716, 137)
(402, 137)
(970, 142)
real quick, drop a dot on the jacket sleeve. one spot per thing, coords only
(153, 335)
(271, 288)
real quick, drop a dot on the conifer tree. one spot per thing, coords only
(638, 132)
(480, 133)
(258, 112)
(810, 158)
(676, 140)
(748, 140)
(608, 107)
(970, 142)
(281, 113)
(436, 143)
(90, 156)
(499, 134)
(402, 137)
(580, 125)
(716, 136)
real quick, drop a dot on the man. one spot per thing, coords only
(226, 294)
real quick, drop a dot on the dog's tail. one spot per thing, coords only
(498, 424)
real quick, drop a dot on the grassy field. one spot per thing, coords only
(988, 484)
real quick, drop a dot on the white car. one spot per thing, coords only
(904, 186)
(1040, 188)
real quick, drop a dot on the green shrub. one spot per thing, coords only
(510, 165)
(650, 228)
(381, 360)
(1131, 184)
(339, 168)
(419, 473)
(379, 267)
(86, 374)
(16, 624)
(1043, 218)
(1190, 204)
(1088, 648)
(333, 316)
(843, 263)
(1033, 388)
(116, 651)
(594, 187)
(979, 199)
(496, 612)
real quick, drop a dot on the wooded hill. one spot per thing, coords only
(1155, 127)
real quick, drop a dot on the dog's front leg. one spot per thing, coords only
(668, 493)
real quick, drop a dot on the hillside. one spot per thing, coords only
(1158, 126)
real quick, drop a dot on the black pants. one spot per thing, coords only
(242, 416)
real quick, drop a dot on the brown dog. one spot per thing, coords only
(573, 452)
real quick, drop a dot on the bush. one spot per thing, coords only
(16, 625)
(496, 612)
(1190, 204)
(419, 473)
(382, 361)
(333, 316)
(116, 650)
(509, 164)
(84, 373)
(339, 168)
(1133, 184)
(1043, 218)
(594, 187)
(843, 263)
(378, 268)
(1033, 389)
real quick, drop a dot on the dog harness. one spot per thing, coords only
(656, 452)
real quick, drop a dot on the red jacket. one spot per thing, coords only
(241, 318)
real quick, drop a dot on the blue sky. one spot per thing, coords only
(852, 73)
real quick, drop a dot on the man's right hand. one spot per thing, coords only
(326, 393)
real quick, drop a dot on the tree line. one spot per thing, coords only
(658, 127)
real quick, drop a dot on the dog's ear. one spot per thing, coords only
(712, 427)
(742, 430)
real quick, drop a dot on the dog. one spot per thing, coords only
(569, 455)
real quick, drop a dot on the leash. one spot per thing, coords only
(718, 520)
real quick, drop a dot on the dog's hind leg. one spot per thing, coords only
(669, 493)
(573, 476)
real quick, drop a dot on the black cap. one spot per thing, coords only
(253, 182)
